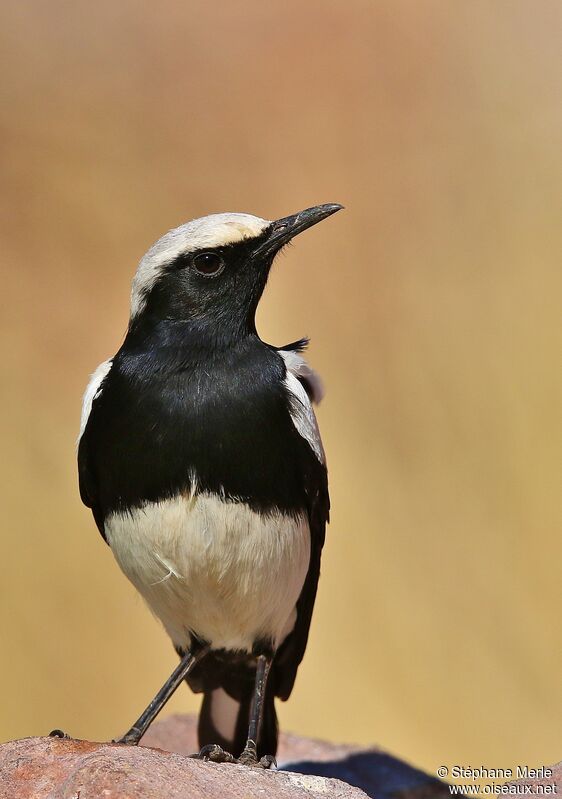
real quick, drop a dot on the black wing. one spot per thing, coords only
(291, 652)
(89, 490)
(87, 480)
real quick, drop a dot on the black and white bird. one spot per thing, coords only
(200, 457)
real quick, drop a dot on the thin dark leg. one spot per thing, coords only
(146, 718)
(250, 754)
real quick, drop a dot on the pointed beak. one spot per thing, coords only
(283, 230)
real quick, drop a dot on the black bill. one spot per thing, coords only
(283, 230)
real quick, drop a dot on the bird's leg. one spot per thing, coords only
(146, 718)
(249, 756)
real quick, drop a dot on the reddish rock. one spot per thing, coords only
(51, 768)
(372, 770)
(550, 776)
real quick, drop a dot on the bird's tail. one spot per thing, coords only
(224, 721)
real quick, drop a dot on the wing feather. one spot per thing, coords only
(86, 473)
(305, 387)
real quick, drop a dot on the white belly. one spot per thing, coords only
(219, 569)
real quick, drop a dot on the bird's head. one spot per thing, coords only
(211, 272)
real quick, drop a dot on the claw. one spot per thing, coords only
(249, 757)
(215, 754)
(130, 738)
(59, 734)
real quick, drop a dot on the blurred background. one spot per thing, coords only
(433, 306)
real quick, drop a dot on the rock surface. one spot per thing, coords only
(373, 771)
(552, 777)
(51, 768)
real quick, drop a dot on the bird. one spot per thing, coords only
(200, 458)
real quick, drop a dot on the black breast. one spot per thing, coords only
(167, 418)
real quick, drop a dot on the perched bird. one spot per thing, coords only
(200, 457)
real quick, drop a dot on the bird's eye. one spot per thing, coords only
(208, 263)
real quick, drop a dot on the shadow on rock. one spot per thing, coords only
(379, 775)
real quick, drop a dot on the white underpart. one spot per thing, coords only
(93, 390)
(224, 713)
(218, 568)
(215, 230)
(301, 409)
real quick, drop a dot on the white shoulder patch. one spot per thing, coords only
(297, 365)
(302, 412)
(92, 392)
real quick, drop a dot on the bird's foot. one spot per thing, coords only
(249, 757)
(59, 734)
(215, 754)
(130, 738)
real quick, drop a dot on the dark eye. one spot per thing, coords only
(208, 263)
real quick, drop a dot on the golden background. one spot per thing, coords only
(433, 305)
